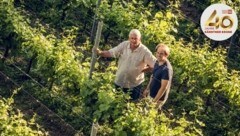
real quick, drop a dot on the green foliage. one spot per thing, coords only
(155, 26)
(63, 70)
(143, 119)
(60, 14)
(202, 72)
(159, 29)
(12, 122)
(205, 70)
(120, 19)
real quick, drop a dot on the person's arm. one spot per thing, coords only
(114, 52)
(146, 91)
(102, 53)
(162, 90)
(150, 60)
(147, 69)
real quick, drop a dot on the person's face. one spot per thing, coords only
(160, 54)
(134, 40)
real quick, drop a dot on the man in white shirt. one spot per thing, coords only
(134, 59)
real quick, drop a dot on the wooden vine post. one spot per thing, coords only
(94, 129)
(93, 61)
(94, 23)
(96, 44)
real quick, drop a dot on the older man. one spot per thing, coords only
(160, 82)
(134, 59)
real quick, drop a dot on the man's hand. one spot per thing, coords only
(157, 104)
(145, 92)
(96, 50)
(147, 69)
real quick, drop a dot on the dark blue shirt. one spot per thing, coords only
(159, 72)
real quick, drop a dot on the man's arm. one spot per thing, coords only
(150, 60)
(162, 90)
(102, 53)
(146, 91)
(147, 69)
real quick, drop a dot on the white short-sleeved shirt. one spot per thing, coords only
(131, 63)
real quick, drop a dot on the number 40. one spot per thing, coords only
(219, 21)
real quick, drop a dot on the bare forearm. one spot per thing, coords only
(162, 90)
(105, 54)
(159, 94)
(148, 86)
(147, 69)
(146, 91)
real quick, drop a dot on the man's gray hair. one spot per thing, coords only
(135, 31)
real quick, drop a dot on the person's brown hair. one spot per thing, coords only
(165, 47)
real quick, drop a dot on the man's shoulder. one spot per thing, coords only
(124, 43)
(144, 48)
(170, 68)
(169, 65)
